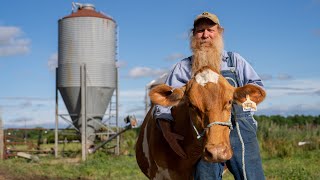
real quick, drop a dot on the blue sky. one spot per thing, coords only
(280, 39)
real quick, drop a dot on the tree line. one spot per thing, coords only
(290, 121)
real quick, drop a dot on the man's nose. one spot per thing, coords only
(205, 34)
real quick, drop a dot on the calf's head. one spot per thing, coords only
(209, 98)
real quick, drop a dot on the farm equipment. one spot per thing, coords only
(131, 122)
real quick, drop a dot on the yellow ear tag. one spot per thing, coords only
(249, 105)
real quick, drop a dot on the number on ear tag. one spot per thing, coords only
(249, 105)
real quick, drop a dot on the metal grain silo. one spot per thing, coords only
(87, 37)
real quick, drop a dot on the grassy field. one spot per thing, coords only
(282, 158)
(102, 166)
(98, 166)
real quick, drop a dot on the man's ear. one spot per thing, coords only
(165, 95)
(256, 93)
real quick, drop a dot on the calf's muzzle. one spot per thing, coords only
(217, 153)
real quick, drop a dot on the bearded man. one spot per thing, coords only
(207, 47)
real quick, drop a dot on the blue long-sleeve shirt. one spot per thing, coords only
(181, 74)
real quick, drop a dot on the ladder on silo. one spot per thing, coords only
(113, 123)
(110, 122)
(112, 118)
(112, 114)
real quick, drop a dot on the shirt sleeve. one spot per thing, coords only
(246, 72)
(177, 77)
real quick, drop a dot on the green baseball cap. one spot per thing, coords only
(207, 15)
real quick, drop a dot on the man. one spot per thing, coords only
(207, 48)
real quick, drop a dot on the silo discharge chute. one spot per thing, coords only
(87, 37)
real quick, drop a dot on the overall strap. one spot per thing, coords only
(232, 63)
(231, 60)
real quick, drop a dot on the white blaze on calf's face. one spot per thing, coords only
(207, 76)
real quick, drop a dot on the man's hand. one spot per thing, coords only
(172, 138)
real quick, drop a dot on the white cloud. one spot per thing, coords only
(284, 77)
(132, 93)
(53, 62)
(175, 56)
(7, 33)
(298, 96)
(11, 42)
(26, 98)
(266, 77)
(30, 112)
(121, 64)
(139, 72)
(293, 96)
(40, 112)
(132, 102)
(291, 87)
(291, 109)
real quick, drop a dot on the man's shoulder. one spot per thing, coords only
(235, 56)
(183, 64)
(185, 61)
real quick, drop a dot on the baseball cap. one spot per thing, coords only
(207, 15)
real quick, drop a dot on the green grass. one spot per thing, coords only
(302, 166)
(282, 157)
(98, 166)
(104, 166)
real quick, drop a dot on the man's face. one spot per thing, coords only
(207, 45)
(206, 31)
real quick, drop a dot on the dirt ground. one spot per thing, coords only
(4, 175)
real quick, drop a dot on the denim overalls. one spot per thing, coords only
(248, 127)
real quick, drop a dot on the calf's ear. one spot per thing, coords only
(165, 95)
(256, 93)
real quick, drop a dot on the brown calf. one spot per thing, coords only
(203, 103)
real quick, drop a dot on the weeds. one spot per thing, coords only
(282, 156)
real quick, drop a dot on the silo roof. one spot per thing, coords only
(87, 13)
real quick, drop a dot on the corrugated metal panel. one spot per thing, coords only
(98, 99)
(98, 75)
(90, 41)
(86, 39)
